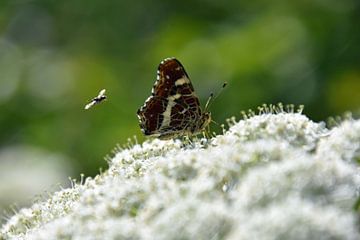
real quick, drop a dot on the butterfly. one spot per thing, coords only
(101, 96)
(173, 109)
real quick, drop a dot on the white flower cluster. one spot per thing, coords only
(271, 176)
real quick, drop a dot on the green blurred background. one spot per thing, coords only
(56, 55)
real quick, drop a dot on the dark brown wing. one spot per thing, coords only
(170, 70)
(150, 115)
(173, 107)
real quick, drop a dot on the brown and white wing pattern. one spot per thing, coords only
(173, 109)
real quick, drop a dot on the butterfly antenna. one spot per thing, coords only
(211, 97)
(208, 101)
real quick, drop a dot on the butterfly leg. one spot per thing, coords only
(187, 140)
(206, 133)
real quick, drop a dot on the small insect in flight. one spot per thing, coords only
(97, 99)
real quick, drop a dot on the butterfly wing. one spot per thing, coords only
(173, 107)
(150, 116)
(171, 79)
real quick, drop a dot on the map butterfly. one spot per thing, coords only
(173, 109)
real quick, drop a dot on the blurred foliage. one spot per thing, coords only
(56, 55)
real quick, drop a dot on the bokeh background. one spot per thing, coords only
(56, 55)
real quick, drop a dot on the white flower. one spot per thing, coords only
(271, 176)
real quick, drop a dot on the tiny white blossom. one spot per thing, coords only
(270, 176)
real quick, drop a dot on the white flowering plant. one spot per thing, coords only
(272, 175)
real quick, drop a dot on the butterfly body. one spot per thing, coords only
(173, 109)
